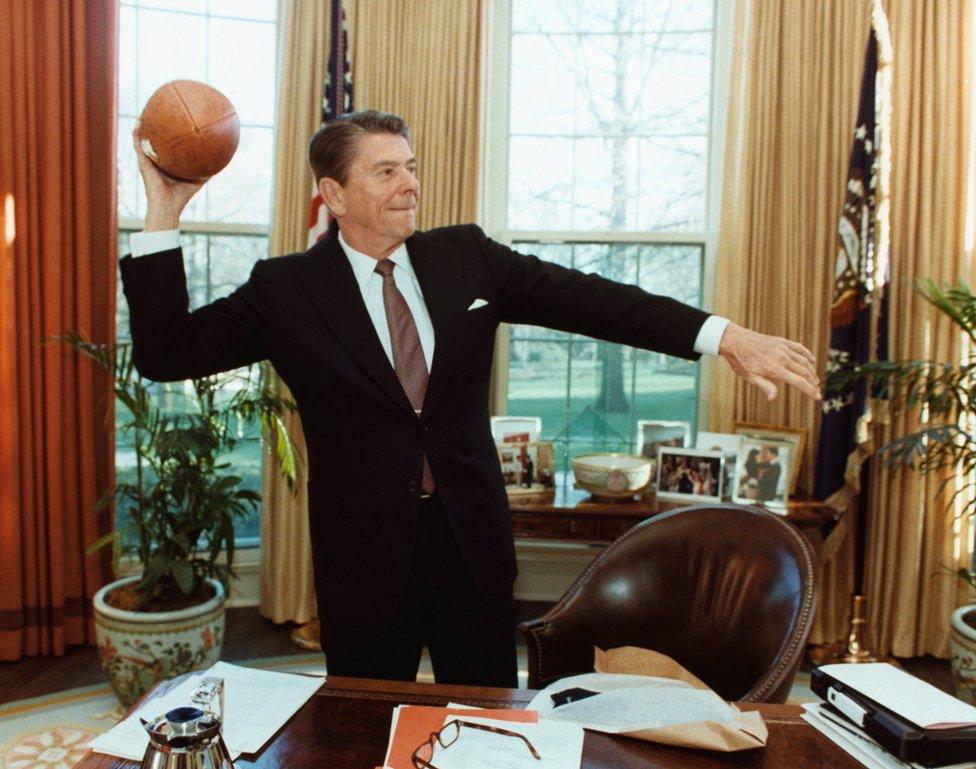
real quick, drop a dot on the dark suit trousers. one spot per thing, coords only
(470, 640)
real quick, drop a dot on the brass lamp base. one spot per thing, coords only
(857, 647)
(307, 636)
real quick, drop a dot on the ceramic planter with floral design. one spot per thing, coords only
(139, 649)
(962, 643)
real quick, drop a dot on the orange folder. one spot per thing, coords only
(416, 723)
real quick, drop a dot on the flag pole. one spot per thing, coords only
(859, 332)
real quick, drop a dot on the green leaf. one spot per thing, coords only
(111, 538)
(182, 572)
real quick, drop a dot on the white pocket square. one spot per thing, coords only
(477, 303)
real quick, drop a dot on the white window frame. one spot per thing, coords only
(493, 200)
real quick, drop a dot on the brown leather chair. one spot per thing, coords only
(728, 591)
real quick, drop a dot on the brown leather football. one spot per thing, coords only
(189, 130)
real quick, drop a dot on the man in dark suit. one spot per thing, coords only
(384, 335)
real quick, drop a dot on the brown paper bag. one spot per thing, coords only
(747, 729)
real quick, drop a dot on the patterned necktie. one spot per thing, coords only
(408, 356)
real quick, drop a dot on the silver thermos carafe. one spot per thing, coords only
(189, 737)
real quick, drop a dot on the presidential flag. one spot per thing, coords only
(336, 101)
(858, 311)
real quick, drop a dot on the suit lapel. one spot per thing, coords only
(441, 282)
(330, 283)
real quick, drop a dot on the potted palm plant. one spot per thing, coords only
(944, 394)
(176, 514)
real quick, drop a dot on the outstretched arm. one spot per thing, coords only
(539, 293)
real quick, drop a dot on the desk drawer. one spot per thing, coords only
(611, 528)
(554, 526)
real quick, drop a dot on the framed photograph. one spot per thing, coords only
(689, 474)
(516, 429)
(528, 468)
(763, 472)
(652, 435)
(795, 436)
(727, 443)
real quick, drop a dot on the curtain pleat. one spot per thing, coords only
(57, 273)
(796, 76)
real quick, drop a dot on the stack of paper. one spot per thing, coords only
(886, 701)
(257, 703)
(855, 742)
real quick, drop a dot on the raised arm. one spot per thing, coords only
(170, 342)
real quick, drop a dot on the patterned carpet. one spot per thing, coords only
(52, 732)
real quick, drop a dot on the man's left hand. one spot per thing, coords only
(764, 360)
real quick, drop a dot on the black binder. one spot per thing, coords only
(903, 739)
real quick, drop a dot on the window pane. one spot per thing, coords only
(171, 46)
(242, 191)
(246, 76)
(540, 191)
(609, 115)
(249, 9)
(590, 394)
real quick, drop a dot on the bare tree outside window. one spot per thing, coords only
(608, 132)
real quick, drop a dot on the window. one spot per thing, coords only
(229, 44)
(605, 110)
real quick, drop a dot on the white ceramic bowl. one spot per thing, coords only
(616, 476)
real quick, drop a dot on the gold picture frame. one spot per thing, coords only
(795, 436)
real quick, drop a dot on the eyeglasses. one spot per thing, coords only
(448, 736)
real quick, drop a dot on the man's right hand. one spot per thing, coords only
(165, 197)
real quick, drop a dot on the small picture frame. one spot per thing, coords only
(729, 444)
(653, 434)
(762, 474)
(527, 468)
(516, 429)
(689, 474)
(795, 436)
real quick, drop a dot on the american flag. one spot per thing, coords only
(336, 101)
(858, 312)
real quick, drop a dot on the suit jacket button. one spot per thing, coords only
(412, 485)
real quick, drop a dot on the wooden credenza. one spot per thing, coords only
(570, 515)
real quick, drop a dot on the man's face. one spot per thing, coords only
(379, 199)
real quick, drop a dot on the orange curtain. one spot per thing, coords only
(57, 273)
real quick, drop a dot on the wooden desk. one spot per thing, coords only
(569, 514)
(347, 724)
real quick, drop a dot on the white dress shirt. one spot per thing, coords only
(371, 286)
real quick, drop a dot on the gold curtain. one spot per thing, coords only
(796, 75)
(910, 536)
(419, 59)
(57, 274)
(287, 589)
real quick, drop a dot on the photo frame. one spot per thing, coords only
(795, 436)
(689, 474)
(653, 433)
(527, 468)
(729, 443)
(762, 473)
(516, 429)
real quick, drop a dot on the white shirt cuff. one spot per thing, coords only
(710, 335)
(142, 243)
